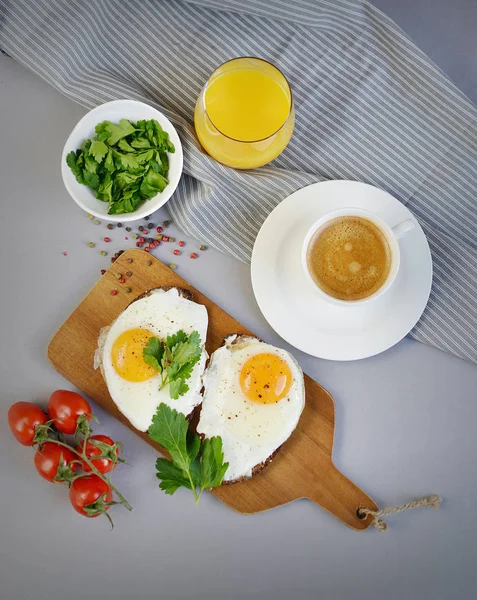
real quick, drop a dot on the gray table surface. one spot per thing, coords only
(405, 419)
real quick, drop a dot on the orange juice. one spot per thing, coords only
(244, 116)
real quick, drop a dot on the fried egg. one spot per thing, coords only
(132, 383)
(254, 395)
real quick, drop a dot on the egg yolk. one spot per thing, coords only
(127, 358)
(265, 378)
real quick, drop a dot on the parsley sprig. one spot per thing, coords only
(196, 465)
(174, 358)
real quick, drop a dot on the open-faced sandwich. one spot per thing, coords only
(154, 353)
(254, 395)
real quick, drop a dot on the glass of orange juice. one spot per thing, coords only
(244, 116)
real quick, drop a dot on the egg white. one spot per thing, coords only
(250, 432)
(162, 313)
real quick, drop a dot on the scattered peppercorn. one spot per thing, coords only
(118, 275)
(182, 243)
(119, 225)
(65, 253)
(113, 292)
(147, 249)
(148, 263)
(177, 252)
(89, 216)
(110, 226)
(156, 243)
(129, 273)
(113, 259)
(103, 271)
(141, 228)
(146, 218)
(91, 244)
(139, 244)
(130, 260)
(202, 247)
(127, 290)
(96, 222)
(172, 266)
(142, 240)
(122, 280)
(104, 253)
(150, 225)
(127, 228)
(107, 240)
(193, 255)
(135, 236)
(159, 229)
(166, 223)
(149, 240)
(165, 238)
(171, 239)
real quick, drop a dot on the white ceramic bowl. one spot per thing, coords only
(114, 111)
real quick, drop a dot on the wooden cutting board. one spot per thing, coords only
(303, 467)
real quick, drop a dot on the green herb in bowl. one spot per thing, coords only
(125, 164)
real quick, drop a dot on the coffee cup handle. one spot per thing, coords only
(402, 228)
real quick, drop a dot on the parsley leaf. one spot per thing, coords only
(169, 429)
(194, 465)
(116, 132)
(153, 353)
(177, 387)
(212, 466)
(98, 150)
(171, 476)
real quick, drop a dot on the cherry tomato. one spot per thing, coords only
(87, 491)
(65, 407)
(23, 417)
(47, 460)
(104, 465)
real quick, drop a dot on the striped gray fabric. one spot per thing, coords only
(369, 106)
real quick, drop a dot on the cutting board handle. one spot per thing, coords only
(342, 498)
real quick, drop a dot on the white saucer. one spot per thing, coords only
(299, 314)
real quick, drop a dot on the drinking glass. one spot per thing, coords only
(244, 116)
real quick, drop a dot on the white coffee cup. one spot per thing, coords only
(392, 235)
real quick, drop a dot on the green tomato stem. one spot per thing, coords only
(95, 470)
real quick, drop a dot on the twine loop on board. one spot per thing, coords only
(433, 501)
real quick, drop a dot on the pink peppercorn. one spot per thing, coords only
(177, 252)
(113, 292)
(106, 239)
(181, 243)
(193, 255)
